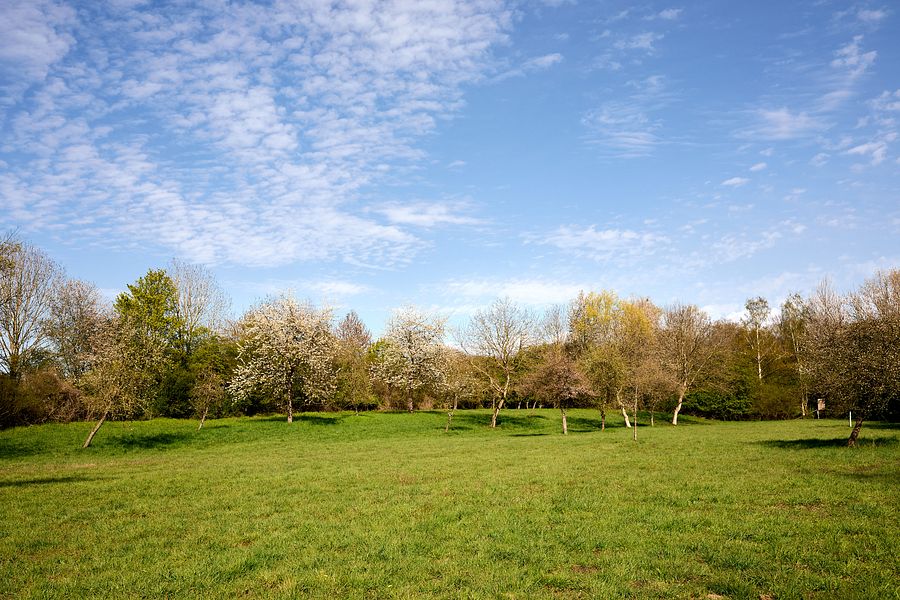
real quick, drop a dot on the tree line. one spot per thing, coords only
(167, 346)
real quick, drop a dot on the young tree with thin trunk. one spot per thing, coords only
(792, 323)
(208, 393)
(757, 332)
(686, 347)
(460, 383)
(286, 349)
(556, 380)
(354, 385)
(498, 333)
(120, 381)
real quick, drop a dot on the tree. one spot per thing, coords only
(855, 347)
(73, 321)
(27, 281)
(286, 349)
(201, 305)
(354, 339)
(411, 356)
(460, 383)
(499, 334)
(686, 347)
(755, 322)
(208, 393)
(556, 380)
(792, 323)
(595, 322)
(119, 382)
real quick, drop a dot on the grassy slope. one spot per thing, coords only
(387, 505)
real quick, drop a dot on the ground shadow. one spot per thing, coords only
(504, 421)
(45, 480)
(10, 449)
(841, 442)
(882, 425)
(149, 442)
(313, 419)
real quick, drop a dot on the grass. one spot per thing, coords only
(387, 505)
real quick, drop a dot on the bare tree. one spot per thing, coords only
(411, 356)
(26, 287)
(201, 305)
(208, 393)
(854, 346)
(285, 348)
(74, 318)
(687, 345)
(499, 334)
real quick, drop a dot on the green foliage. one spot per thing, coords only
(150, 306)
(389, 506)
(730, 405)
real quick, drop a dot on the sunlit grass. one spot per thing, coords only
(388, 505)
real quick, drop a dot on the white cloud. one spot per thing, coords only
(534, 292)
(760, 166)
(639, 41)
(876, 150)
(604, 244)
(736, 181)
(852, 60)
(267, 123)
(426, 214)
(783, 124)
(669, 14)
(543, 62)
(871, 16)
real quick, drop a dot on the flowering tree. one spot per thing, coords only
(411, 356)
(286, 349)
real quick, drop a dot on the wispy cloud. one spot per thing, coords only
(760, 166)
(736, 181)
(427, 214)
(282, 116)
(604, 244)
(783, 124)
(627, 128)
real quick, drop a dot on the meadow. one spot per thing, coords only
(387, 505)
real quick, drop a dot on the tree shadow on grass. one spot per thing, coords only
(149, 442)
(505, 421)
(45, 480)
(314, 419)
(841, 442)
(10, 449)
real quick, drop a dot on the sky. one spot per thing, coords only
(441, 153)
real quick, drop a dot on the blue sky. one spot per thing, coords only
(373, 154)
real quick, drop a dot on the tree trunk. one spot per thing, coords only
(450, 414)
(651, 418)
(203, 418)
(622, 406)
(634, 429)
(409, 400)
(290, 407)
(602, 419)
(94, 431)
(678, 407)
(851, 443)
(496, 413)
(565, 423)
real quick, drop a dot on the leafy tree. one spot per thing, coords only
(411, 355)
(499, 334)
(354, 385)
(286, 350)
(201, 305)
(758, 337)
(556, 380)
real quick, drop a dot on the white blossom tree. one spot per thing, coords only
(411, 355)
(286, 349)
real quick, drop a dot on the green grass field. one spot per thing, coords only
(388, 505)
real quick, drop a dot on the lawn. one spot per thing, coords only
(388, 505)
